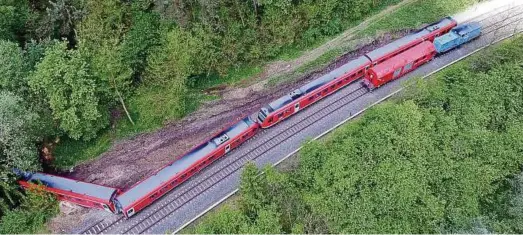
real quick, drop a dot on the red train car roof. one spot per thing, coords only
(402, 59)
(78, 187)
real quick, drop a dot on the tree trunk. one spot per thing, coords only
(124, 108)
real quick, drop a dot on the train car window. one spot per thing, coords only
(270, 119)
(325, 91)
(375, 63)
(244, 136)
(280, 115)
(333, 86)
(339, 83)
(130, 212)
(173, 183)
(311, 98)
(183, 176)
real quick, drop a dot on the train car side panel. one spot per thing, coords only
(399, 65)
(312, 92)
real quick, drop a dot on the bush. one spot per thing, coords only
(36, 208)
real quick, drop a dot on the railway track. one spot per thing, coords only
(267, 140)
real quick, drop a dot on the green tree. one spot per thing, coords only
(56, 19)
(170, 64)
(17, 145)
(138, 41)
(13, 68)
(35, 210)
(65, 81)
(13, 16)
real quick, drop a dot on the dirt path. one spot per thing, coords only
(129, 161)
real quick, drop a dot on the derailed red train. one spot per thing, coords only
(376, 68)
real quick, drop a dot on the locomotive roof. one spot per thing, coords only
(146, 186)
(448, 37)
(384, 50)
(352, 65)
(466, 28)
(79, 187)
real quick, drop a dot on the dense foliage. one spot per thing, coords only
(78, 72)
(34, 210)
(72, 68)
(444, 157)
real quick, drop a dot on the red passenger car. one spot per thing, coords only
(312, 92)
(77, 192)
(399, 65)
(145, 192)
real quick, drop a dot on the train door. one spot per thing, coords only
(297, 107)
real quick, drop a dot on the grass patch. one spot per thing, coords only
(234, 77)
(69, 153)
(415, 14)
(318, 63)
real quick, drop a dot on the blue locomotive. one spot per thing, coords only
(457, 36)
